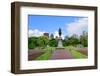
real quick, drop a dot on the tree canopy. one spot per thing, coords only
(44, 41)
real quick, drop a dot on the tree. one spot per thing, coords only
(32, 42)
(66, 41)
(66, 38)
(84, 39)
(53, 42)
(43, 41)
(72, 40)
(31, 45)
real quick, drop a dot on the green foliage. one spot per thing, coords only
(31, 46)
(43, 41)
(53, 43)
(73, 40)
(32, 42)
(84, 39)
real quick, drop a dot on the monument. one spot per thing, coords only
(60, 45)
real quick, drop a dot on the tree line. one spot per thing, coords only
(44, 41)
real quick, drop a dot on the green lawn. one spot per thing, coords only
(47, 54)
(49, 51)
(75, 53)
(78, 54)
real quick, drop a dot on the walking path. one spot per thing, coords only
(33, 54)
(61, 54)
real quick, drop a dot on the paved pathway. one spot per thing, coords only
(83, 50)
(32, 54)
(61, 54)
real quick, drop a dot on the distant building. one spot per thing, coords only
(46, 34)
(51, 36)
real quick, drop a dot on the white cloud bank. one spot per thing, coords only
(77, 27)
(56, 34)
(35, 32)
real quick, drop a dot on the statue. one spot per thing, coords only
(60, 32)
(60, 39)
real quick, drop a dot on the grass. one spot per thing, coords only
(75, 53)
(49, 51)
(47, 54)
(78, 54)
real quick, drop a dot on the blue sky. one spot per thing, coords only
(51, 24)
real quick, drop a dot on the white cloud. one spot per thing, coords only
(77, 27)
(56, 34)
(35, 32)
